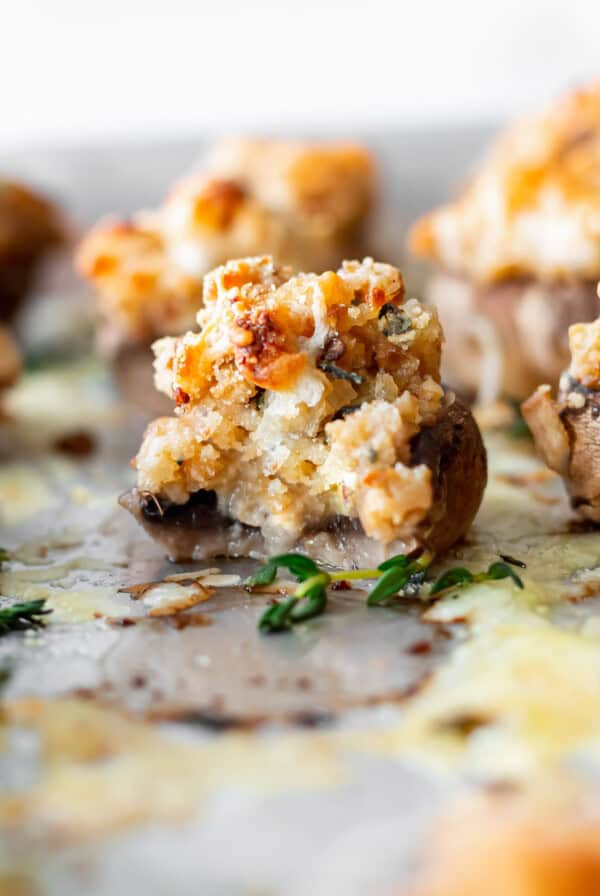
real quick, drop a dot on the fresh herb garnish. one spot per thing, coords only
(4, 555)
(298, 564)
(23, 616)
(394, 321)
(338, 373)
(458, 577)
(501, 570)
(397, 576)
(310, 597)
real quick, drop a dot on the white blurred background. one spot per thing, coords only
(81, 71)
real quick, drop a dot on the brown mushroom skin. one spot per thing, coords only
(567, 435)
(523, 322)
(453, 450)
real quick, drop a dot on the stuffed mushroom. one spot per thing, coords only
(309, 415)
(307, 204)
(29, 227)
(519, 252)
(567, 430)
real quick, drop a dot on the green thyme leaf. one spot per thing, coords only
(399, 561)
(500, 570)
(313, 604)
(457, 577)
(391, 582)
(4, 555)
(298, 564)
(264, 576)
(23, 616)
(338, 373)
(276, 618)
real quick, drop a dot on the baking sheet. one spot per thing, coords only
(140, 757)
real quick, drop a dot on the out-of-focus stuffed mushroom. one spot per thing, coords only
(307, 204)
(509, 846)
(518, 253)
(29, 226)
(310, 415)
(567, 430)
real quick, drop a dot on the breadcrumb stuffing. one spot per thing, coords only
(298, 398)
(304, 203)
(584, 343)
(533, 209)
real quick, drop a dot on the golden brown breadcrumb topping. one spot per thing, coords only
(298, 398)
(304, 203)
(584, 343)
(533, 209)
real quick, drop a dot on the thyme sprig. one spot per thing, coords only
(458, 577)
(23, 616)
(310, 597)
(399, 576)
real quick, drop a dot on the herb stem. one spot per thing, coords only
(321, 580)
(348, 574)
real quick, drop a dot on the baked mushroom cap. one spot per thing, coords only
(305, 203)
(506, 338)
(519, 249)
(452, 449)
(29, 225)
(567, 430)
(309, 415)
